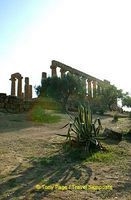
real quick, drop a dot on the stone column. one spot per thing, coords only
(102, 90)
(94, 88)
(98, 89)
(22, 95)
(19, 89)
(44, 76)
(54, 72)
(89, 88)
(26, 88)
(62, 72)
(30, 92)
(13, 86)
(84, 84)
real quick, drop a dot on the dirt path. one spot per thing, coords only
(22, 141)
(16, 134)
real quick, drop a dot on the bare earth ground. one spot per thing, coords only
(32, 154)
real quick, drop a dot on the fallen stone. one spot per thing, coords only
(109, 133)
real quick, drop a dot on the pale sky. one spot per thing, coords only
(93, 36)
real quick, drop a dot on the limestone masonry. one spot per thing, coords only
(27, 95)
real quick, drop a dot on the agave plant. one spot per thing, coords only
(82, 130)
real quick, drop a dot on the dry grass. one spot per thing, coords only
(33, 157)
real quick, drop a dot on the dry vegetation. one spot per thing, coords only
(32, 155)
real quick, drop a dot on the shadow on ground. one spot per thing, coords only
(62, 168)
(125, 185)
(13, 122)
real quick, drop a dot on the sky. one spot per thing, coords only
(93, 36)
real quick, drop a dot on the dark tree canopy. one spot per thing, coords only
(110, 95)
(126, 101)
(107, 99)
(62, 88)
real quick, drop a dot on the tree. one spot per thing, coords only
(107, 99)
(110, 95)
(62, 88)
(126, 101)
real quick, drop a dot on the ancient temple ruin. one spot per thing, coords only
(14, 77)
(94, 85)
(27, 94)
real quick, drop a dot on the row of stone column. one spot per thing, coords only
(27, 95)
(54, 71)
(93, 86)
